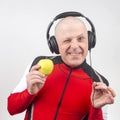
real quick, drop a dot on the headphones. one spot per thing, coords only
(52, 43)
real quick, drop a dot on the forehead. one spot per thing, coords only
(69, 24)
(67, 21)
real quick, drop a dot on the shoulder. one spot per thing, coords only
(96, 76)
(55, 59)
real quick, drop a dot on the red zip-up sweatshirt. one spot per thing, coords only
(65, 95)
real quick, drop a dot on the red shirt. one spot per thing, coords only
(65, 95)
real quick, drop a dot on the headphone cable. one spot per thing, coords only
(93, 89)
(90, 57)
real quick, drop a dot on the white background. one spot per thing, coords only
(23, 25)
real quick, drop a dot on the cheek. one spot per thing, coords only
(62, 48)
(84, 46)
(62, 51)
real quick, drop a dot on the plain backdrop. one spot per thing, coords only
(23, 25)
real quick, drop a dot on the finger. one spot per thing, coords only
(35, 79)
(97, 84)
(93, 90)
(101, 85)
(39, 77)
(35, 67)
(35, 75)
(35, 72)
(94, 85)
(112, 91)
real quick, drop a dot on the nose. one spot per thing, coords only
(74, 44)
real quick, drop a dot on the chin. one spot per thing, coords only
(75, 63)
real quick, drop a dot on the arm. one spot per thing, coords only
(95, 114)
(18, 99)
(25, 92)
(18, 102)
(101, 96)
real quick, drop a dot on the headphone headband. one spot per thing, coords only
(66, 14)
(75, 14)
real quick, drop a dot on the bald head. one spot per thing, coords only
(69, 23)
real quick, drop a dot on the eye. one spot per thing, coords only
(81, 38)
(67, 41)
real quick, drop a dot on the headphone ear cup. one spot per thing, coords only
(53, 45)
(91, 40)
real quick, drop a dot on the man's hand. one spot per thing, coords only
(35, 80)
(101, 95)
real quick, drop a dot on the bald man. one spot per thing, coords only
(73, 91)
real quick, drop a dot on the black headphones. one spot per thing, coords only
(52, 43)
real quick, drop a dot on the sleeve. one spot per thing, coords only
(18, 102)
(95, 114)
(20, 99)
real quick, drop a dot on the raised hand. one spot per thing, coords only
(35, 80)
(101, 95)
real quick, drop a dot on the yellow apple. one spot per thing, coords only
(46, 66)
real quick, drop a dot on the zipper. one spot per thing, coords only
(61, 98)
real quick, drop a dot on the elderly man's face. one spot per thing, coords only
(72, 38)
